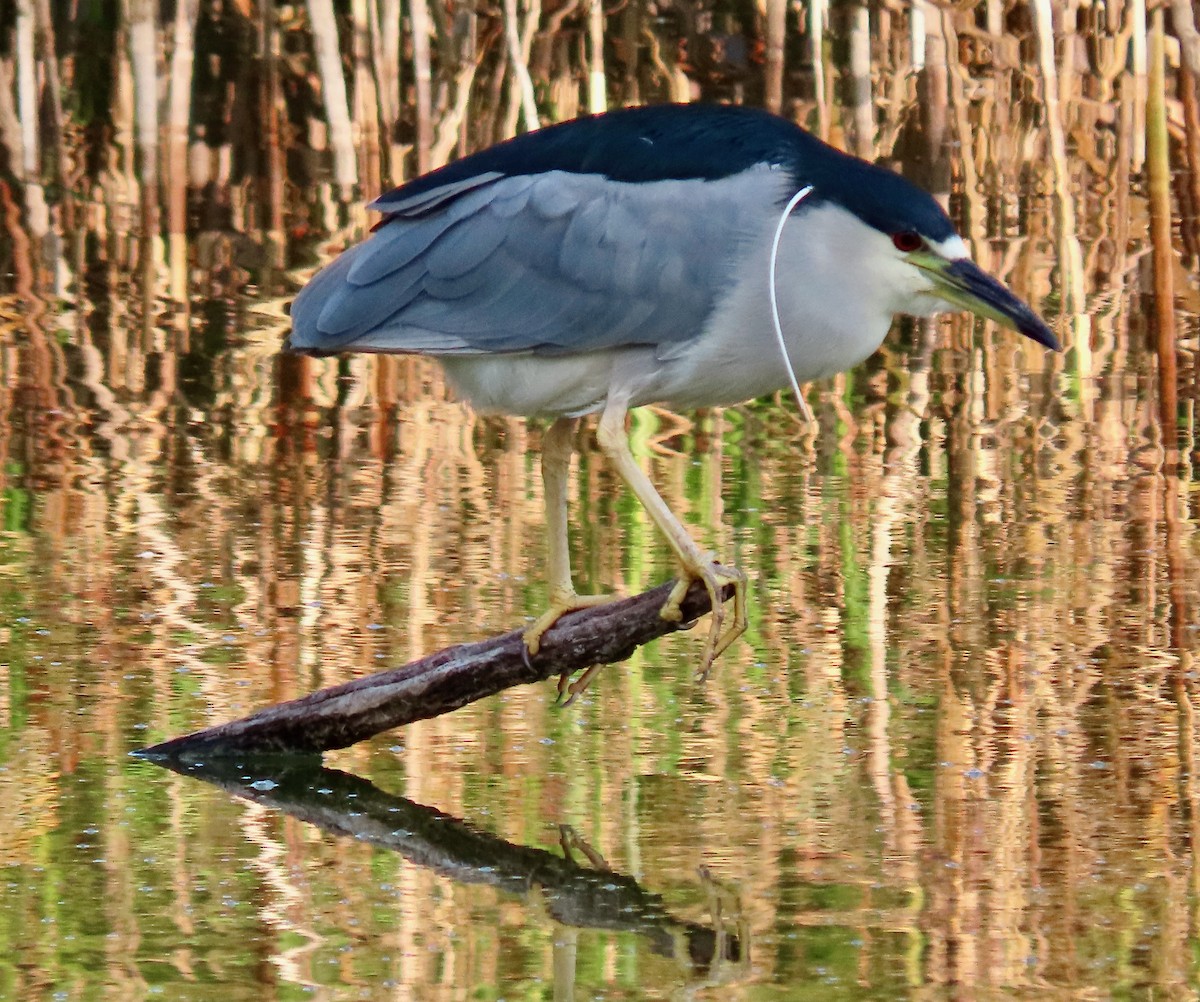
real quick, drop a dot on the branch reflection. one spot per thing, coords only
(580, 896)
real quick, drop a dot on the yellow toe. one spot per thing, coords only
(720, 635)
(560, 605)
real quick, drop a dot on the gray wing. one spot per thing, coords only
(554, 262)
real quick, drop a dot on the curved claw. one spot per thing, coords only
(715, 578)
(569, 691)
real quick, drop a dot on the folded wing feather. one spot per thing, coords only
(553, 263)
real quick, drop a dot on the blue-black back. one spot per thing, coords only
(701, 142)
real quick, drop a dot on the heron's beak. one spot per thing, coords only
(966, 285)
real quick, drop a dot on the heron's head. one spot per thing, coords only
(909, 246)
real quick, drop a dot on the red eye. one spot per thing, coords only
(907, 242)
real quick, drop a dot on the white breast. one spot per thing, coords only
(837, 291)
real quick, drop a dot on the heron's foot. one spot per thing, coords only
(561, 602)
(725, 911)
(570, 839)
(715, 577)
(569, 691)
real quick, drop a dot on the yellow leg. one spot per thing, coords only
(557, 447)
(694, 564)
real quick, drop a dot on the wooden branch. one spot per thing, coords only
(344, 714)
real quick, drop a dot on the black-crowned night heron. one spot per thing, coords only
(638, 257)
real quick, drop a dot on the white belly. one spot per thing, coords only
(531, 384)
